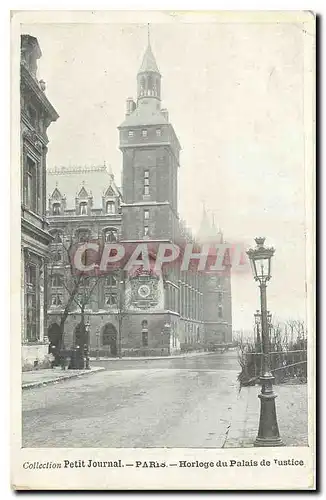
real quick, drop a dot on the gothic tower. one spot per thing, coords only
(150, 151)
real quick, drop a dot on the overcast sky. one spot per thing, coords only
(235, 98)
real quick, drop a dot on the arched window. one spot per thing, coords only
(110, 235)
(83, 235)
(56, 209)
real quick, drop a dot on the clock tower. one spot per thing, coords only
(150, 150)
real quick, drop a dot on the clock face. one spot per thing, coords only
(144, 291)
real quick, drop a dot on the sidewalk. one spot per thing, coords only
(37, 378)
(291, 410)
(142, 358)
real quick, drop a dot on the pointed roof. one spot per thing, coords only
(69, 180)
(208, 232)
(56, 195)
(149, 63)
(110, 191)
(83, 193)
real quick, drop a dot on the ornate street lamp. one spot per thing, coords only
(86, 346)
(268, 433)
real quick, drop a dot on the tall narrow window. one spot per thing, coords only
(146, 214)
(146, 182)
(31, 184)
(146, 231)
(158, 132)
(31, 303)
(220, 312)
(110, 207)
(83, 208)
(220, 297)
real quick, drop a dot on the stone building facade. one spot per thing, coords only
(139, 312)
(35, 117)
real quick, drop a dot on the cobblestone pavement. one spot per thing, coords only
(163, 403)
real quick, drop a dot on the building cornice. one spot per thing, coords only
(41, 234)
(34, 86)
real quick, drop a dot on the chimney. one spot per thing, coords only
(130, 106)
(165, 113)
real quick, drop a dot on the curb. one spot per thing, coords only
(32, 385)
(143, 358)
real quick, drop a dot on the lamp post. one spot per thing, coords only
(98, 334)
(167, 332)
(86, 346)
(121, 310)
(268, 433)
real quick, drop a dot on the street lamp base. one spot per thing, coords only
(267, 442)
(268, 433)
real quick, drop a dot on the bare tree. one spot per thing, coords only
(78, 286)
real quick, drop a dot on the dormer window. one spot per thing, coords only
(56, 209)
(144, 133)
(83, 208)
(110, 207)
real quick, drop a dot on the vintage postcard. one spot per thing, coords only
(163, 308)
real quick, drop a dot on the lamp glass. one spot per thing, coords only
(262, 267)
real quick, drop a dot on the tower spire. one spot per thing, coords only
(148, 77)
